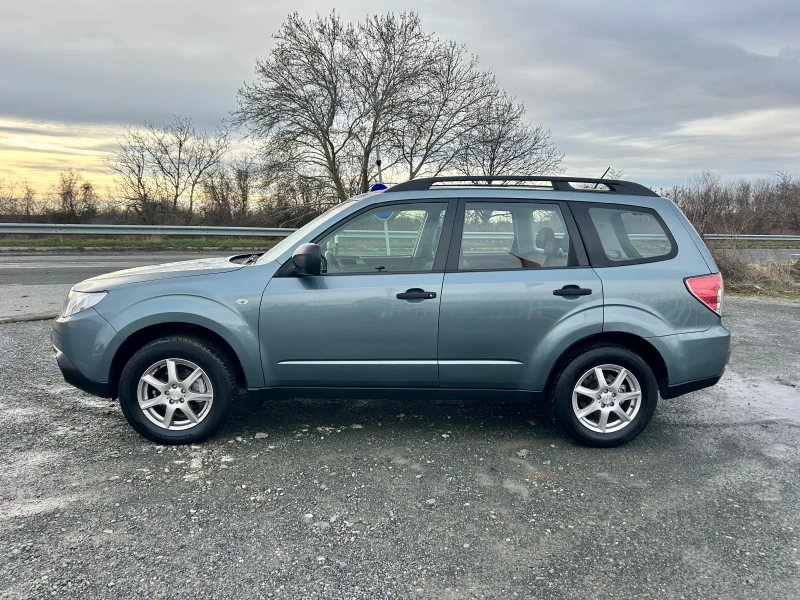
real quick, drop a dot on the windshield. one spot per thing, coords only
(288, 242)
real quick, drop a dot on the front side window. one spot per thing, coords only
(299, 234)
(514, 235)
(398, 238)
(630, 234)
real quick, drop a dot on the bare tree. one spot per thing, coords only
(300, 104)
(181, 157)
(446, 106)
(136, 185)
(330, 93)
(229, 190)
(163, 166)
(389, 59)
(785, 209)
(75, 197)
(17, 198)
(503, 144)
(705, 202)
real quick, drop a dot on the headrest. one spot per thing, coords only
(546, 239)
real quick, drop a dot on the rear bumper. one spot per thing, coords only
(74, 377)
(694, 360)
(673, 391)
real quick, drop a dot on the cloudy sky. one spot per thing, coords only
(659, 90)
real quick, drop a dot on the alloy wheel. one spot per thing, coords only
(175, 394)
(606, 398)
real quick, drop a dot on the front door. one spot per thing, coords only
(517, 289)
(371, 318)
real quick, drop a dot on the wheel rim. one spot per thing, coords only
(175, 394)
(606, 398)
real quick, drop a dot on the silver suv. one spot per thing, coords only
(597, 297)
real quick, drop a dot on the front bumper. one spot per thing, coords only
(74, 377)
(85, 345)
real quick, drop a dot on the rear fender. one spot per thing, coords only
(563, 335)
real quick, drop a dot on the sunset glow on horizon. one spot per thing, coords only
(35, 152)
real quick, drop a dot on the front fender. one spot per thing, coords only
(226, 304)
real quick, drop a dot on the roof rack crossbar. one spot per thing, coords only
(561, 184)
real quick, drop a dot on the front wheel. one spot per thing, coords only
(604, 396)
(177, 390)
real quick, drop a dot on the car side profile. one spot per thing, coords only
(595, 295)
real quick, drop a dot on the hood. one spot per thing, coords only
(203, 266)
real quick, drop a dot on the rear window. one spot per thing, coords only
(630, 235)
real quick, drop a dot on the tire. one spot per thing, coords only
(209, 397)
(588, 428)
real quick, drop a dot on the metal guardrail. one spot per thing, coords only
(753, 238)
(47, 228)
(199, 231)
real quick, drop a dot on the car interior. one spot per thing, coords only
(399, 241)
(494, 238)
(530, 243)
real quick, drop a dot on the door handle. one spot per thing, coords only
(416, 294)
(572, 290)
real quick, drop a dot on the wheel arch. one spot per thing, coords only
(151, 332)
(632, 342)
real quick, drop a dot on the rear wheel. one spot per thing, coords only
(605, 395)
(177, 390)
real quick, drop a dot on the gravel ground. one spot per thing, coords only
(379, 499)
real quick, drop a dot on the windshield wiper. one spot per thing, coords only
(251, 259)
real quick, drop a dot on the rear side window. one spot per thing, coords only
(500, 236)
(626, 235)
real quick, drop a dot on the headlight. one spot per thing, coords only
(80, 301)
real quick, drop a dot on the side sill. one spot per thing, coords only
(673, 391)
(257, 395)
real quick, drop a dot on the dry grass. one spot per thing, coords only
(775, 278)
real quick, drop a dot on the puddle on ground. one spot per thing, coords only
(779, 397)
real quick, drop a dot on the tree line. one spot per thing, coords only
(232, 195)
(761, 206)
(326, 99)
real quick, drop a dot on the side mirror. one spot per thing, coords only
(307, 260)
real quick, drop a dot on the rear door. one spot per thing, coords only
(517, 289)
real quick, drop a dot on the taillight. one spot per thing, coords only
(707, 289)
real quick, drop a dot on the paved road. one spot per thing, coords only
(419, 499)
(38, 269)
(38, 283)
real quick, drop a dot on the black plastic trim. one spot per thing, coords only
(591, 239)
(560, 184)
(74, 377)
(257, 395)
(673, 391)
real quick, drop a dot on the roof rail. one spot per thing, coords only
(561, 184)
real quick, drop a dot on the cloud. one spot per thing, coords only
(658, 90)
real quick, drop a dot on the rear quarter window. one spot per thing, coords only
(624, 235)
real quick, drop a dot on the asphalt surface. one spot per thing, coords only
(416, 499)
(35, 284)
